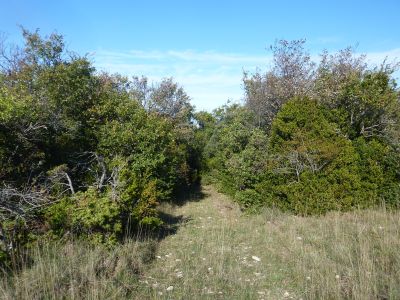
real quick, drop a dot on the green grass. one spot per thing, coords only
(213, 251)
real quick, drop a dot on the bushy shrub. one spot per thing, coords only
(87, 214)
(309, 164)
(249, 199)
(102, 150)
(235, 153)
(327, 133)
(380, 167)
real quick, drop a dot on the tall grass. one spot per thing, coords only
(220, 253)
(77, 270)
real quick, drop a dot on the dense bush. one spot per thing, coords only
(231, 154)
(316, 139)
(307, 164)
(320, 168)
(85, 153)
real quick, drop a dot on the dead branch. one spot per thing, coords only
(16, 203)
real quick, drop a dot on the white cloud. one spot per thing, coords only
(392, 56)
(209, 77)
(378, 57)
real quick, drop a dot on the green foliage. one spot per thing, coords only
(206, 123)
(99, 214)
(315, 164)
(4, 258)
(102, 157)
(88, 214)
(370, 103)
(328, 135)
(308, 165)
(226, 151)
(379, 166)
(15, 234)
(249, 199)
(58, 217)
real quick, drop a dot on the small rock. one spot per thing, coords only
(170, 288)
(286, 294)
(256, 258)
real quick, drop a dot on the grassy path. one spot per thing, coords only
(214, 254)
(219, 253)
(211, 250)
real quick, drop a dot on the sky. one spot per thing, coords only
(205, 45)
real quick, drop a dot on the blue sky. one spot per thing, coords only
(205, 45)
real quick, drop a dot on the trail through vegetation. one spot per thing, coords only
(100, 181)
(209, 249)
(218, 252)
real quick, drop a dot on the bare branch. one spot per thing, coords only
(15, 203)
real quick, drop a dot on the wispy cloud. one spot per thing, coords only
(210, 78)
(186, 55)
(376, 58)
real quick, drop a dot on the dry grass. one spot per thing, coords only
(219, 253)
(78, 271)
